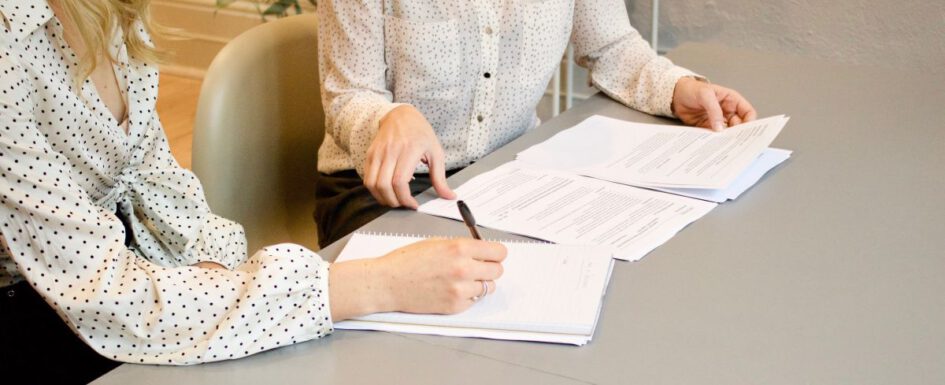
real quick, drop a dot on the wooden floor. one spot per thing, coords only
(177, 106)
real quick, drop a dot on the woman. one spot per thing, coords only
(109, 248)
(416, 89)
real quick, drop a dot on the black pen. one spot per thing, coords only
(468, 219)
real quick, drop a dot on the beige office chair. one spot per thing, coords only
(258, 127)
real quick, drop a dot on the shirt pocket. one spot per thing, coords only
(423, 58)
(545, 35)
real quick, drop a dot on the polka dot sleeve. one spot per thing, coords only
(125, 307)
(622, 64)
(352, 43)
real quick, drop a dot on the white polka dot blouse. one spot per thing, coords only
(475, 69)
(67, 167)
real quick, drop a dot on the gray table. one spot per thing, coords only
(829, 271)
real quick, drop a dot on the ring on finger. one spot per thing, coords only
(485, 291)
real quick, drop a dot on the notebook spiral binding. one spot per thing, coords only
(422, 237)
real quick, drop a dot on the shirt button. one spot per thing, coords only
(487, 75)
(488, 30)
(480, 118)
(11, 293)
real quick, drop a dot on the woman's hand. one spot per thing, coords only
(432, 276)
(701, 104)
(404, 139)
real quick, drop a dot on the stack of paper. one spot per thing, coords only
(581, 186)
(682, 160)
(548, 293)
(565, 208)
(768, 159)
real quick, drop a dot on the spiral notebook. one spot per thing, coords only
(548, 293)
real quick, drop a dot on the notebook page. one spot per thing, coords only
(492, 334)
(545, 288)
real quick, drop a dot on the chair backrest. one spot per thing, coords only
(258, 127)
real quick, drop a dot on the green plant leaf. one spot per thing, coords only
(278, 8)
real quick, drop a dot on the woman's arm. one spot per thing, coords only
(124, 307)
(128, 309)
(73, 254)
(626, 68)
(352, 68)
(622, 64)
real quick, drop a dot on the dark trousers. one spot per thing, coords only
(37, 347)
(343, 204)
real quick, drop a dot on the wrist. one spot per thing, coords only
(379, 279)
(397, 111)
(358, 288)
(680, 87)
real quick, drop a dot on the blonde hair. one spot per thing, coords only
(98, 20)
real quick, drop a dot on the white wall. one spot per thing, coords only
(904, 33)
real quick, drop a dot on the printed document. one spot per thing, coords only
(768, 159)
(565, 208)
(653, 155)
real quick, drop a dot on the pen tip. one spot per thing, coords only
(466, 213)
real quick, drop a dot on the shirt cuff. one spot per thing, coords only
(307, 299)
(321, 302)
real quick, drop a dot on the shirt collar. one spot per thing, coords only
(22, 17)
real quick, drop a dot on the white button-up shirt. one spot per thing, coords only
(475, 69)
(67, 166)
